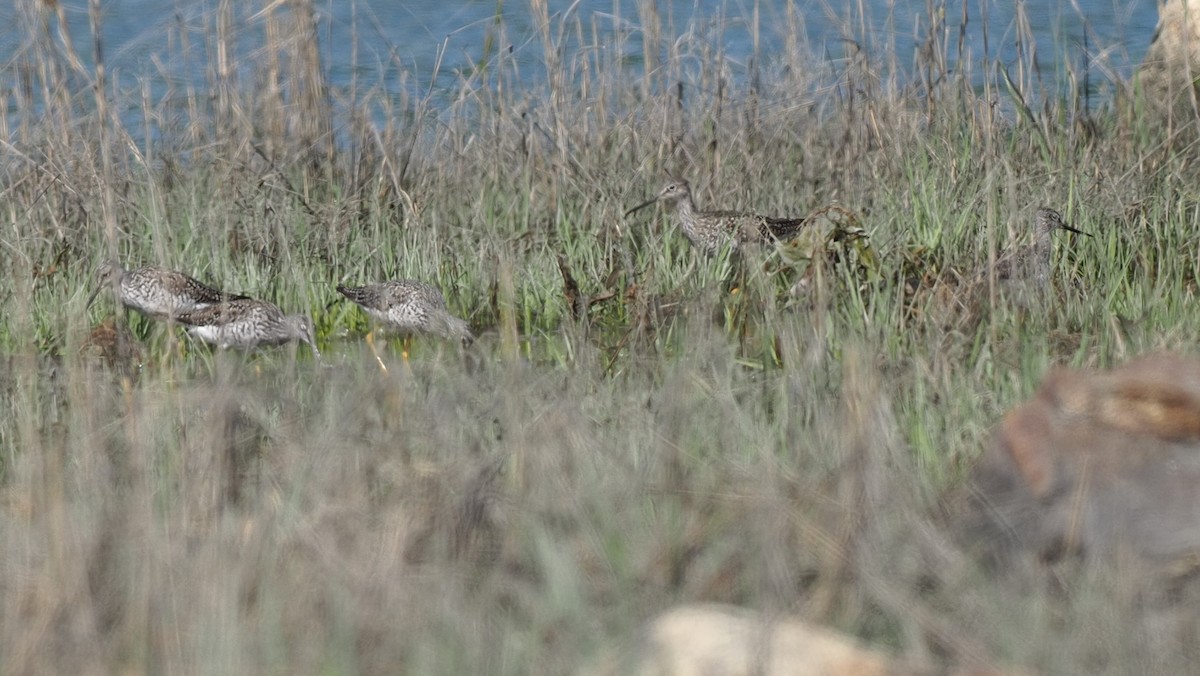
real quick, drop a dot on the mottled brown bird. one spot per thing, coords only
(710, 230)
(1031, 262)
(156, 291)
(409, 307)
(247, 323)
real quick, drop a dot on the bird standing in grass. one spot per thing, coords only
(156, 291)
(408, 307)
(710, 230)
(246, 323)
(1030, 263)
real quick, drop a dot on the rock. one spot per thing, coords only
(1099, 464)
(703, 639)
(700, 639)
(1172, 61)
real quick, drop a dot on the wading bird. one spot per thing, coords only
(156, 291)
(408, 307)
(710, 230)
(1031, 262)
(248, 323)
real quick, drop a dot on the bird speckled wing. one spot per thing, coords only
(409, 307)
(247, 323)
(710, 230)
(156, 291)
(781, 229)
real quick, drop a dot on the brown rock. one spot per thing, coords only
(1172, 61)
(1098, 463)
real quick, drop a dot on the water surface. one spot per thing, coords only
(419, 46)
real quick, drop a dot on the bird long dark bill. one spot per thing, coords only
(1048, 220)
(107, 275)
(93, 296)
(643, 205)
(1073, 229)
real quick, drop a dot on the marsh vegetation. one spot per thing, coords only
(636, 425)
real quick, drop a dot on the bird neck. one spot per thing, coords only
(1043, 247)
(686, 210)
(685, 205)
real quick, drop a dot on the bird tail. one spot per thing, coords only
(783, 228)
(354, 293)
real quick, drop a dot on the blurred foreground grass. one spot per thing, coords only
(774, 432)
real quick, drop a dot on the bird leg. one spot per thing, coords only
(371, 344)
(174, 344)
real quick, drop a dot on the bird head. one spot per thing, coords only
(447, 325)
(1048, 220)
(108, 274)
(302, 329)
(671, 193)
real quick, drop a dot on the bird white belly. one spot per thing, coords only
(224, 337)
(406, 319)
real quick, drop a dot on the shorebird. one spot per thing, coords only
(408, 307)
(246, 323)
(710, 230)
(1031, 262)
(156, 291)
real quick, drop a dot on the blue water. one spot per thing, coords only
(416, 47)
